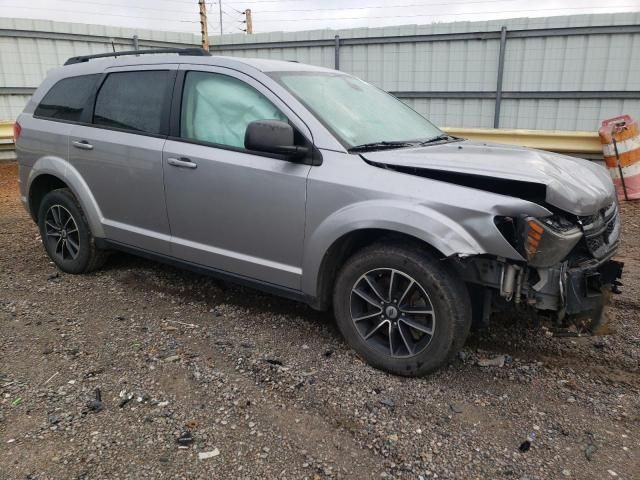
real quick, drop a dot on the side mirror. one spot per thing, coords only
(272, 136)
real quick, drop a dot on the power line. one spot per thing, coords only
(235, 9)
(101, 13)
(229, 15)
(127, 6)
(441, 14)
(228, 5)
(241, 2)
(385, 6)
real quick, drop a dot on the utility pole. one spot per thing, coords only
(203, 25)
(249, 21)
(220, 8)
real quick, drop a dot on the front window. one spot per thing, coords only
(217, 109)
(355, 111)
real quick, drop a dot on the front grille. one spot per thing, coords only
(601, 231)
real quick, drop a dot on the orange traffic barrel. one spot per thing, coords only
(620, 139)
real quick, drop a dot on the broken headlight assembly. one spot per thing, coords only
(544, 242)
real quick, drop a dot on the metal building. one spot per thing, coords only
(28, 48)
(564, 73)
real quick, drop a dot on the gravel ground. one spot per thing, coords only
(266, 388)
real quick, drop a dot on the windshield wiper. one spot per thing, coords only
(381, 145)
(441, 138)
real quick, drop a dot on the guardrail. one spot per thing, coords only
(586, 144)
(6, 141)
(552, 140)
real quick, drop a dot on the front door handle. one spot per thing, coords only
(183, 162)
(82, 145)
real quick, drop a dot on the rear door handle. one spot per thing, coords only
(183, 162)
(82, 145)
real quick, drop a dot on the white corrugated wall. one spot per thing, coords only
(554, 63)
(24, 60)
(582, 63)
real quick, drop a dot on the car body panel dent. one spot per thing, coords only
(575, 185)
(350, 195)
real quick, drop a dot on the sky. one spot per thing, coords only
(291, 15)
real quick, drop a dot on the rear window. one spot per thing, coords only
(67, 99)
(133, 101)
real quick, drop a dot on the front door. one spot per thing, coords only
(230, 209)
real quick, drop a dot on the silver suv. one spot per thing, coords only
(312, 184)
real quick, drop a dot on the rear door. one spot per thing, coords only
(119, 154)
(232, 209)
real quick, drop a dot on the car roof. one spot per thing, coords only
(240, 63)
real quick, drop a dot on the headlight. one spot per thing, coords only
(549, 240)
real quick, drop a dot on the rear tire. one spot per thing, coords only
(400, 336)
(65, 233)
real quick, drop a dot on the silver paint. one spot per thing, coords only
(273, 220)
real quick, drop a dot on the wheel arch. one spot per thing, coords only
(346, 246)
(345, 231)
(40, 186)
(50, 173)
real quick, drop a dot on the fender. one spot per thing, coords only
(416, 220)
(63, 170)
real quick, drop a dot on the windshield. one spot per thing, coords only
(356, 112)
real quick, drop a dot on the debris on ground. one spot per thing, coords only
(205, 455)
(526, 445)
(497, 361)
(125, 398)
(590, 451)
(185, 439)
(273, 361)
(96, 404)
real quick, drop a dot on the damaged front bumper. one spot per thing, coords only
(580, 293)
(566, 268)
(570, 294)
(589, 290)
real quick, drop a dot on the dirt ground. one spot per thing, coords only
(268, 388)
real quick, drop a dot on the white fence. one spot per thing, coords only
(556, 73)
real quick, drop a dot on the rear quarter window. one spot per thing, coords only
(68, 98)
(133, 101)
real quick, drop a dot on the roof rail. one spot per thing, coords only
(196, 52)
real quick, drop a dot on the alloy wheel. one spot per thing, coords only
(392, 312)
(61, 232)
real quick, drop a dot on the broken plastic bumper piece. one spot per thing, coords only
(588, 290)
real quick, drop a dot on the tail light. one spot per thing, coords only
(17, 130)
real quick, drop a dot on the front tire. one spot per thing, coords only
(403, 310)
(65, 233)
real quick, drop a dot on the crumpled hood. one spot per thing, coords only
(577, 186)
